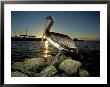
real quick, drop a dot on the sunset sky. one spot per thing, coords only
(79, 24)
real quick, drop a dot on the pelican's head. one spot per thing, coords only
(50, 19)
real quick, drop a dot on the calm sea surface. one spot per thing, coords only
(89, 53)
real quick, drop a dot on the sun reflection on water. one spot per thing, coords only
(46, 45)
(46, 49)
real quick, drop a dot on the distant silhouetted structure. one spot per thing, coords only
(75, 39)
(25, 37)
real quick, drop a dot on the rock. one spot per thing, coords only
(61, 59)
(49, 71)
(51, 60)
(30, 73)
(18, 66)
(61, 75)
(34, 64)
(70, 66)
(83, 73)
(36, 75)
(18, 74)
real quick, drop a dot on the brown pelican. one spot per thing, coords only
(60, 41)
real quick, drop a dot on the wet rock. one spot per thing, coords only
(49, 71)
(83, 73)
(18, 74)
(18, 66)
(34, 64)
(70, 66)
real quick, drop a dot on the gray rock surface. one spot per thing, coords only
(70, 66)
(18, 66)
(49, 71)
(34, 64)
(51, 60)
(83, 73)
(61, 75)
(18, 74)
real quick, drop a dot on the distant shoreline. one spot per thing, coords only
(26, 39)
(39, 39)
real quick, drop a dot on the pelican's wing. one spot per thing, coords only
(64, 40)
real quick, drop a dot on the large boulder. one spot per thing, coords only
(18, 74)
(60, 60)
(18, 66)
(49, 71)
(83, 73)
(70, 66)
(52, 61)
(34, 64)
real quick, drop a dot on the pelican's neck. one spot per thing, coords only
(48, 26)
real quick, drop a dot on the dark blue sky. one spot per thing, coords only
(80, 24)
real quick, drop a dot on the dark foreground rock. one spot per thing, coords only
(18, 66)
(31, 73)
(83, 73)
(18, 74)
(51, 60)
(61, 75)
(49, 71)
(34, 64)
(38, 67)
(70, 66)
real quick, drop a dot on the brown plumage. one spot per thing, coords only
(61, 41)
(64, 40)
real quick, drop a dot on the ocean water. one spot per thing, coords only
(89, 53)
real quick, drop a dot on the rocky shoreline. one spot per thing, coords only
(49, 67)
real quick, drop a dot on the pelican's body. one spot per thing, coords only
(60, 41)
